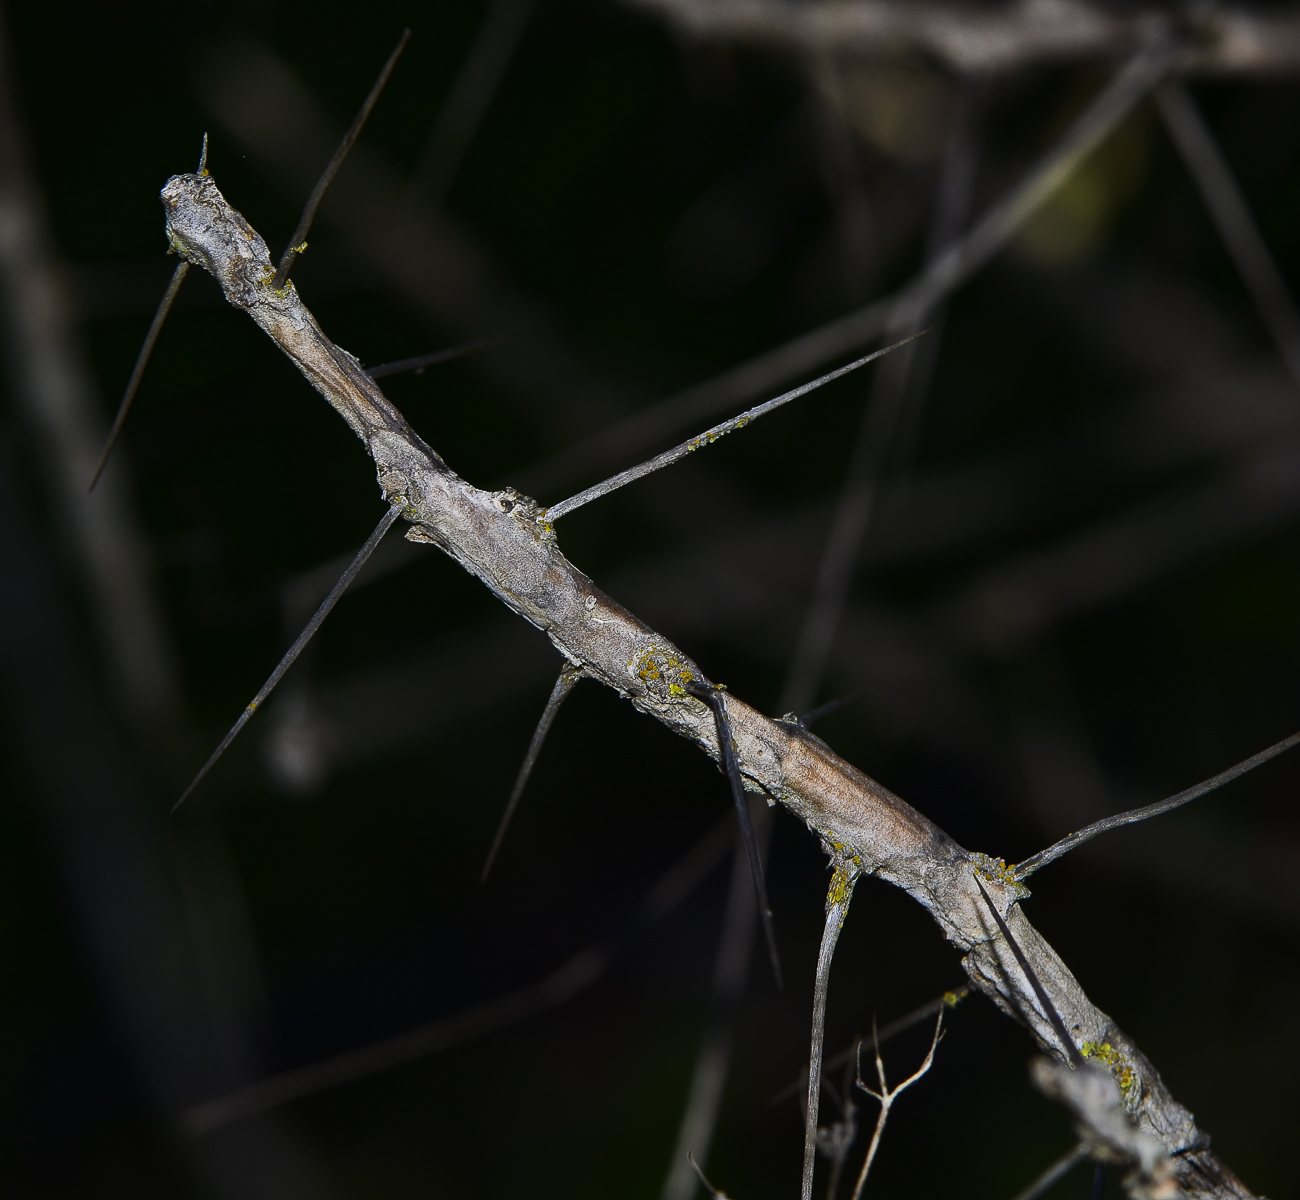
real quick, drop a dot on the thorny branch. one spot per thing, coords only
(497, 537)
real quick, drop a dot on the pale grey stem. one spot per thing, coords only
(477, 82)
(943, 275)
(1134, 815)
(579, 973)
(1236, 223)
(1058, 1170)
(421, 362)
(838, 898)
(709, 436)
(142, 359)
(564, 684)
(886, 1099)
(296, 649)
(298, 242)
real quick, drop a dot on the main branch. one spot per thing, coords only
(502, 538)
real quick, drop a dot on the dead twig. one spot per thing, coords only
(886, 1097)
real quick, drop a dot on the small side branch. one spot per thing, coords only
(559, 693)
(1134, 815)
(838, 898)
(714, 698)
(886, 1098)
(298, 242)
(297, 648)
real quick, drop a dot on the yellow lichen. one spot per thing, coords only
(1116, 1063)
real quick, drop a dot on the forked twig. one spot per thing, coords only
(714, 698)
(1058, 1170)
(564, 684)
(1067, 1042)
(838, 897)
(422, 362)
(890, 1031)
(708, 437)
(1088, 832)
(298, 242)
(297, 648)
(886, 1097)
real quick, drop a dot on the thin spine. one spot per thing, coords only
(142, 359)
(1058, 1170)
(421, 362)
(297, 648)
(715, 1192)
(1134, 815)
(838, 897)
(577, 974)
(1049, 1009)
(298, 242)
(564, 684)
(809, 719)
(709, 436)
(1236, 223)
(887, 1097)
(716, 700)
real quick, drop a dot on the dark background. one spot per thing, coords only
(662, 205)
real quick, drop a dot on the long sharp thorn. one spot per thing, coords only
(713, 697)
(1134, 815)
(709, 436)
(809, 719)
(297, 648)
(298, 242)
(142, 359)
(1067, 1042)
(838, 897)
(559, 693)
(422, 361)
